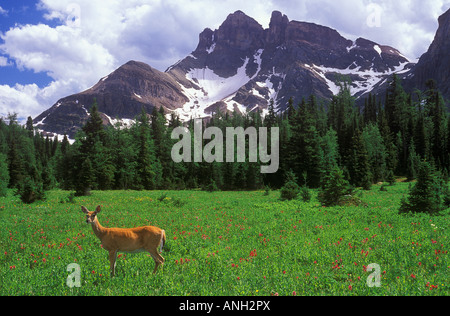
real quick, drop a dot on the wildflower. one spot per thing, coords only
(413, 275)
(294, 293)
(350, 287)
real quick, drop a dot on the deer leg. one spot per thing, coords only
(112, 262)
(157, 258)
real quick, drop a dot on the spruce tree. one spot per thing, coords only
(4, 175)
(334, 187)
(15, 165)
(305, 152)
(85, 178)
(359, 163)
(146, 155)
(270, 119)
(291, 189)
(376, 151)
(95, 148)
(427, 195)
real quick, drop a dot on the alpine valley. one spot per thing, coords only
(243, 67)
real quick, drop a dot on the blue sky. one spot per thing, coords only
(14, 13)
(50, 49)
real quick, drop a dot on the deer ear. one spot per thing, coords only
(98, 209)
(84, 210)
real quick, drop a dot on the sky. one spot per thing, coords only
(50, 49)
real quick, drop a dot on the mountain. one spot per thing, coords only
(435, 63)
(239, 67)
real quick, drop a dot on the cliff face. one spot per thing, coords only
(239, 67)
(435, 64)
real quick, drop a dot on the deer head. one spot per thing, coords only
(90, 216)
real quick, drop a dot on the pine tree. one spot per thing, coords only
(420, 136)
(359, 163)
(29, 127)
(270, 119)
(146, 156)
(334, 187)
(94, 147)
(436, 106)
(305, 152)
(291, 189)
(162, 148)
(413, 163)
(15, 165)
(376, 151)
(330, 149)
(427, 194)
(396, 106)
(370, 109)
(391, 149)
(85, 178)
(4, 175)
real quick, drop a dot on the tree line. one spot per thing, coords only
(367, 144)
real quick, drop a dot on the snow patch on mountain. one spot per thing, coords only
(378, 49)
(352, 47)
(368, 78)
(210, 88)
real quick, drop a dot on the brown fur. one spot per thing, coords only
(129, 240)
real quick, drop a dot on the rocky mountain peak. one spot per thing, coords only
(435, 63)
(243, 67)
(240, 31)
(276, 34)
(315, 34)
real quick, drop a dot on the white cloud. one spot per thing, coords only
(95, 37)
(30, 97)
(4, 62)
(3, 11)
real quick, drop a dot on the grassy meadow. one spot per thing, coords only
(226, 243)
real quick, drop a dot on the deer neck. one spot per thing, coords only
(98, 229)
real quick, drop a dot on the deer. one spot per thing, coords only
(127, 240)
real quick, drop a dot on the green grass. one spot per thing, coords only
(211, 241)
